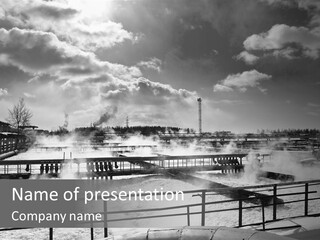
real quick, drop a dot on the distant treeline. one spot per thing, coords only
(160, 130)
(151, 130)
(143, 130)
(291, 132)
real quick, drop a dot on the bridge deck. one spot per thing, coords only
(113, 166)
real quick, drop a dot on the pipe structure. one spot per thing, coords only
(8, 154)
(203, 233)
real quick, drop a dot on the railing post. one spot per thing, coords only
(306, 199)
(275, 202)
(105, 219)
(240, 213)
(78, 169)
(91, 234)
(50, 233)
(203, 208)
(188, 215)
(263, 218)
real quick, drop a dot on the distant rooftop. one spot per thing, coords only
(4, 123)
(29, 126)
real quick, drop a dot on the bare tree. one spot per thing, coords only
(19, 115)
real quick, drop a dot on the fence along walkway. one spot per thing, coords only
(284, 190)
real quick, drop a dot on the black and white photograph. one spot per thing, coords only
(159, 119)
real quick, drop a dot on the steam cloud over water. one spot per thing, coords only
(73, 146)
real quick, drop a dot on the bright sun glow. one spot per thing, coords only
(93, 9)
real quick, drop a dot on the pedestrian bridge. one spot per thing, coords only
(104, 167)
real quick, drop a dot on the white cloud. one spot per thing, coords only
(66, 21)
(98, 35)
(139, 95)
(36, 51)
(139, 91)
(221, 88)
(57, 53)
(3, 92)
(241, 81)
(288, 53)
(311, 5)
(281, 35)
(153, 63)
(248, 58)
(29, 95)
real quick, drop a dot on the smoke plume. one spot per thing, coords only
(104, 118)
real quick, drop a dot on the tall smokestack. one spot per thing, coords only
(127, 121)
(200, 112)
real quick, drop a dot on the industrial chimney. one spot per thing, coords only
(200, 112)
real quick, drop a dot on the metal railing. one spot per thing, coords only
(273, 188)
(284, 190)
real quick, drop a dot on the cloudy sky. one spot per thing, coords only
(254, 63)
